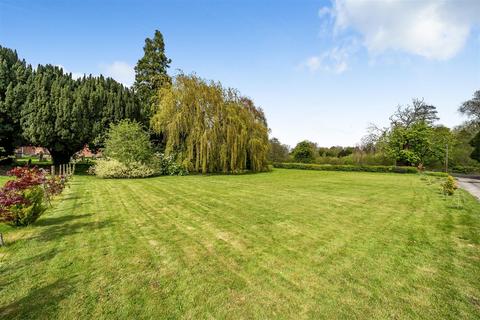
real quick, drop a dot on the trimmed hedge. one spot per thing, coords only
(436, 174)
(360, 168)
(465, 169)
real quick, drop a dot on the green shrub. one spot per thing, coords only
(466, 169)
(304, 166)
(449, 186)
(24, 215)
(128, 143)
(304, 152)
(357, 158)
(168, 166)
(28, 212)
(112, 168)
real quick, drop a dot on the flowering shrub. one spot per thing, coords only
(168, 166)
(111, 168)
(23, 199)
(159, 164)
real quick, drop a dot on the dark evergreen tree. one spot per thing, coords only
(151, 73)
(475, 143)
(14, 77)
(48, 108)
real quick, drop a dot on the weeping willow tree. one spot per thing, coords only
(210, 128)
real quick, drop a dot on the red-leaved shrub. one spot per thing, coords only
(23, 199)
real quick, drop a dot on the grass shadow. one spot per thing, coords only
(39, 301)
(60, 220)
(57, 231)
(27, 263)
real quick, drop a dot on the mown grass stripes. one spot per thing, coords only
(285, 244)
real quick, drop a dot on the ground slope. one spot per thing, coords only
(285, 244)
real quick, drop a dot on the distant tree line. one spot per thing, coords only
(413, 138)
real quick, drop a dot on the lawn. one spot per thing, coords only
(285, 244)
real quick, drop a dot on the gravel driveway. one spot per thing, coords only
(471, 185)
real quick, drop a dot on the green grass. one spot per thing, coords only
(35, 161)
(286, 244)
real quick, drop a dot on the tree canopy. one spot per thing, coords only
(278, 152)
(127, 142)
(151, 72)
(15, 75)
(210, 128)
(63, 114)
(418, 111)
(471, 107)
(304, 152)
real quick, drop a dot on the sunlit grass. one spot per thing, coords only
(285, 244)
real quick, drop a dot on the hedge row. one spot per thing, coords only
(465, 169)
(328, 167)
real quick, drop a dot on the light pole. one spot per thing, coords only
(446, 158)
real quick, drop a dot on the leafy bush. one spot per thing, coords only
(112, 168)
(304, 166)
(168, 166)
(129, 154)
(449, 186)
(304, 152)
(128, 143)
(466, 169)
(30, 209)
(23, 200)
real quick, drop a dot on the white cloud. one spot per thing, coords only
(120, 71)
(313, 63)
(75, 75)
(334, 60)
(429, 28)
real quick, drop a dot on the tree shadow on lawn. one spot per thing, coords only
(56, 231)
(39, 302)
(25, 264)
(50, 221)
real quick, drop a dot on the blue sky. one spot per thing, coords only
(321, 70)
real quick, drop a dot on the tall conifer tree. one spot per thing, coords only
(151, 72)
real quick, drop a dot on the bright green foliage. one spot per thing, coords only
(278, 152)
(290, 244)
(112, 168)
(209, 128)
(151, 73)
(410, 145)
(304, 152)
(27, 214)
(418, 144)
(127, 142)
(128, 153)
(168, 166)
(449, 186)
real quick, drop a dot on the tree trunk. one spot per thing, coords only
(60, 157)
